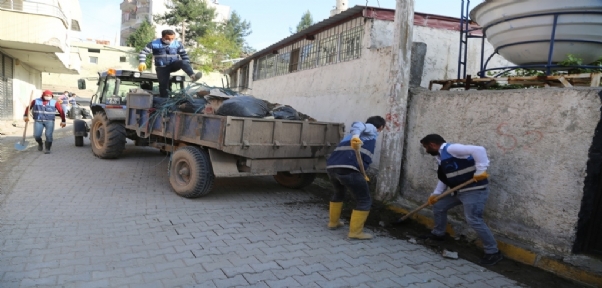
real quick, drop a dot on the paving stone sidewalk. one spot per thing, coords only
(69, 219)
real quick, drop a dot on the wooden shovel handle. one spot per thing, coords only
(449, 191)
(360, 162)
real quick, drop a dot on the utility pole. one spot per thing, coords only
(394, 134)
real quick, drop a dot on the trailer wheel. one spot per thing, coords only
(190, 174)
(79, 141)
(294, 181)
(107, 138)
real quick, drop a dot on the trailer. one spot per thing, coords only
(205, 147)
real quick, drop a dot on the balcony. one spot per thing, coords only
(127, 5)
(36, 33)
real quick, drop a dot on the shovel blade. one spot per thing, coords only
(20, 146)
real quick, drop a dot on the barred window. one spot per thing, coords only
(282, 63)
(265, 67)
(328, 50)
(308, 57)
(234, 80)
(337, 44)
(351, 42)
(244, 77)
(294, 63)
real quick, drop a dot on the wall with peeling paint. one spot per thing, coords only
(343, 92)
(354, 90)
(537, 141)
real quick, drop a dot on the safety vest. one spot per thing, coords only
(454, 171)
(165, 54)
(43, 112)
(344, 156)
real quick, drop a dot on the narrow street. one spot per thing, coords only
(69, 219)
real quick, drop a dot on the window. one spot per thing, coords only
(93, 50)
(282, 63)
(351, 42)
(244, 77)
(93, 60)
(328, 50)
(294, 61)
(122, 59)
(265, 67)
(308, 57)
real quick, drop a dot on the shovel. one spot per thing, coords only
(449, 191)
(22, 145)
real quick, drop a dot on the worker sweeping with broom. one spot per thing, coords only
(345, 168)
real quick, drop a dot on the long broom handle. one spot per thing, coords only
(449, 191)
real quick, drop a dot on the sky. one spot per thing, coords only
(270, 19)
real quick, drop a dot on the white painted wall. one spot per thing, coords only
(354, 90)
(343, 92)
(443, 47)
(25, 79)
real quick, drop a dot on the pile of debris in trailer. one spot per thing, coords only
(204, 99)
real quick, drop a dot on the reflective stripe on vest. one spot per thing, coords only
(43, 112)
(344, 156)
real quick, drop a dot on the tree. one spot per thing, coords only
(306, 21)
(237, 29)
(192, 17)
(216, 48)
(140, 38)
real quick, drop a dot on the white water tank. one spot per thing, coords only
(509, 24)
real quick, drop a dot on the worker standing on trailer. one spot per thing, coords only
(344, 173)
(170, 56)
(459, 163)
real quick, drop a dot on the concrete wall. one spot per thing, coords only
(537, 141)
(443, 48)
(343, 92)
(354, 90)
(25, 79)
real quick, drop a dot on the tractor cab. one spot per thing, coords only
(114, 85)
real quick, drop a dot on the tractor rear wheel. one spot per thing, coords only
(107, 138)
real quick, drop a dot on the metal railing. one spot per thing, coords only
(35, 8)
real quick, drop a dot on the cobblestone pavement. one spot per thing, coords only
(69, 219)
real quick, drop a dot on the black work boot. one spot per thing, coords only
(40, 145)
(48, 145)
(491, 259)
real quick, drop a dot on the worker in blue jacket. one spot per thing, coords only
(344, 173)
(170, 56)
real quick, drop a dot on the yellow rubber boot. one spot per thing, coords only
(335, 215)
(358, 218)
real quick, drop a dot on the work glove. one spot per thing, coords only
(433, 199)
(481, 176)
(142, 67)
(63, 124)
(356, 143)
(25, 118)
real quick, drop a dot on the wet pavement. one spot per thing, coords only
(69, 219)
